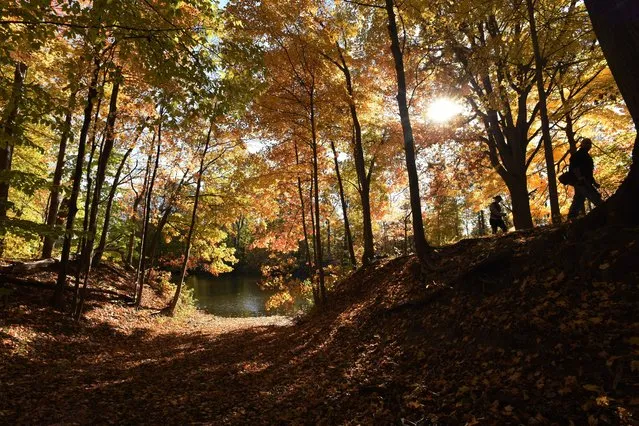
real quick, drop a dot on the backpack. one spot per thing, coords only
(567, 178)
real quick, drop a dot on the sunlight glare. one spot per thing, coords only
(443, 110)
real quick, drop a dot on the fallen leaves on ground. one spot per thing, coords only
(524, 329)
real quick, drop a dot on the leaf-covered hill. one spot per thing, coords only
(531, 328)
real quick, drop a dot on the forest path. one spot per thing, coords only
(121, 365)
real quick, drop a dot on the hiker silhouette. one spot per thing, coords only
(581, 170)
(497, 215)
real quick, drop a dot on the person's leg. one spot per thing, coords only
(493, 225)
(578, 200)
(503, 226)
(592, 194)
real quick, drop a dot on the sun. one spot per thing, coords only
(443, 110)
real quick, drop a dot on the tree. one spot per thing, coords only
(543, 112)
(189, 236)
(422, 248)
(7, 135)
(616, 25)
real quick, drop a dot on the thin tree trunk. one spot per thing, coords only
(97, 257)
(328, 240)
(147, 215)
(189, 237)
(88, 194)
(360, 167)
(140, 198)
(570, 128)
(316, 292)
(54, 201)
(299, 190)
(318, 229)
(155, 241)
(347, 226)
(545, 122)
(422, 248)
(103, 162)
(107, 215)
(89, 191)
(58, 295)
(7, 132)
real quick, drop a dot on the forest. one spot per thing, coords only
(352, 156)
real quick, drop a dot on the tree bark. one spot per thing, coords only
(54, 202)
(347, 227)
(147, 216)
(309, 261)
(103, 162)
(316, 292)
(422, 248)
(518, 189)
(318, 228)
(360, 167)
(545, 122)
(616, 24)
(189, 237)
(58, 295)
(7, 132)
(97, 257)
(138, 200)
(164, 219)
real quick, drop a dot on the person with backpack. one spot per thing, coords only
(581, 170)
(497, 215)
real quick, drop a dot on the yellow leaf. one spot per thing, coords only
(416, 405)
(592, 388)
(604, 266)
(602, 401)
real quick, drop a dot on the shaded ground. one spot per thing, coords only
(532, 328)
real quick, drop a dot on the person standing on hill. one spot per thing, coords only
(497, 215)
(582, 167)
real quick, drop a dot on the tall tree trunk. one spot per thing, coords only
(342, 197)
(360, 166)
(616, 24)
(329, 255)
(555, 213)
(316, 292)
(88, 193)
(103, 162)
(157, 235)
(54, 202)
(147, 216)
(7, 132)
(97, 257)
(107, 215)
(518, 189)
(299, 190)
(189, 237)
(89, 190)
(58, 295)
(138, 200)
(422, 248)
(318, 228)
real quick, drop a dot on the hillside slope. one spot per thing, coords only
(535, 327)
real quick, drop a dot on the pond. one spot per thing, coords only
(229, 295)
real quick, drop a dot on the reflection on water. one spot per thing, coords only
(230, 295)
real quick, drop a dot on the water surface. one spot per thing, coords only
(229, 295)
